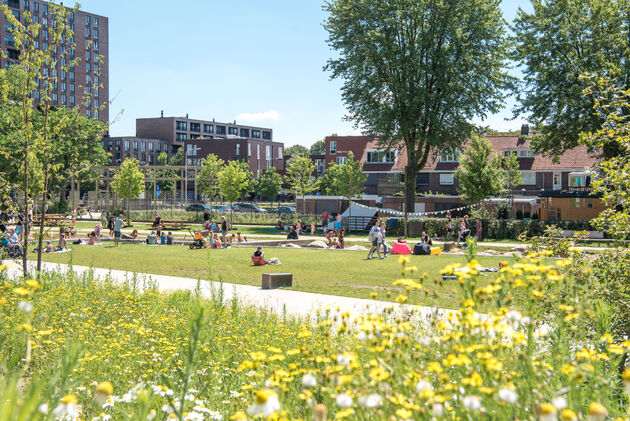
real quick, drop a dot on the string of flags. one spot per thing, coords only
(392, 212)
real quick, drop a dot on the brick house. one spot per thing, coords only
(436, 184)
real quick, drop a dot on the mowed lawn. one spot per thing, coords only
(333, 272)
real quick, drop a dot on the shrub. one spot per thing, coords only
(519, 214)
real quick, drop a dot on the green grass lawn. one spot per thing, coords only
(345, 273)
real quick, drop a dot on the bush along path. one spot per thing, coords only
(75, 348)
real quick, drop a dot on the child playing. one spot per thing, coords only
(169, 239)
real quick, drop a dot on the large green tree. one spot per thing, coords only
(415, 72)
(300, 175)
(328, 180)
(557, 44)
(128, 182)
(350, 179)
(208, 176)
(165, 185)
(318, 148)
(480, 174)
(296, 150)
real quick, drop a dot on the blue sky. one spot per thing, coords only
(257, 62)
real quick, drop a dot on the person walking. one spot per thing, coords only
(375, 238)
(383, 243)
(325, 216)
(118, 224)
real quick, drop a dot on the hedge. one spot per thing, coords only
(497, 229)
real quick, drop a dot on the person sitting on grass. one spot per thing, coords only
(232, 238)
(258, 258)
(99, 232)
(152, 239)
(293, 234)
(330, 239)
(401, 247)
(61, 246)
(217, 242)
(49, 247)
(279, 225)
(162, 238)
(240, 238)
(92, 239)
(169, 239)
(132, 236)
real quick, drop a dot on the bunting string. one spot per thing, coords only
(400, 214)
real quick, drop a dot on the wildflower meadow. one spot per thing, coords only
(76, 348)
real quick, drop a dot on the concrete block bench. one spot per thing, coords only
(449, 245)
(276, 280)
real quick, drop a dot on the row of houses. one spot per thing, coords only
(552, 189)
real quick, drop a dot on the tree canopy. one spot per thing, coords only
(208, 176)
(269, 184)
(300, 175)
(235, 180)
(128, 182)
(416, 72)
(296, 150)
(318, 148)
(479, 174)
(557, 44)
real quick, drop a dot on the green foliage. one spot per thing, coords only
(128, 182)
(553, 241)
(178, 158)
(504, 210)
(165, 185)
(479, 174)
(296, 150)
(613, 179)
(350, 178)
(512, 177)
(415, 73)
(318, 148)
(328, 180)
(300, 175)
(269, 184)
(235, 180)
(559, 42)
(208, 176)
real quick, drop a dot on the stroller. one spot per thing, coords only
(464, 235)
(198, 242)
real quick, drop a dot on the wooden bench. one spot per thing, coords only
(50, 219)
(448, 246)
(276, 280)
(173, 223)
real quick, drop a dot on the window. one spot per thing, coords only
(269, 156)
(382, 156)
(63, 99)
(143, 146)
(341, 160)
(529, 178)
(126, 144)
(576, 202)
(446, 179)
(88, 32)
(588, 203)
(135, 145)
(232, 131)
(96, 33)
(180, 137)
(88, 67)
(422, 179)
(36, 7)
(256, 134)
(258, 151)
(71, 99)
(95, 67)
(95, 22)
(95, 45)
(208, 128)
(36, 43)
(88, 79)
(333, 147)
(87, 20)
(26, 5)
(96, 114)
(238, 149)
(63, 86)
(71, 75)
(449, 156)
(158, 147)
(244, 132)
(9, 40)
(577, 180)
(195, 127)
(280, 152)
(88, 113)
(45, 9)
(221, 130)
(266, 135)
(181, 125)
(88, 55)
(249, 149)
(195, 136)
(72, 87)
(393, 178)
(150, 147)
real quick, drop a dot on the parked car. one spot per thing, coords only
(220, 208)
(198, 208)
(247, 207)
(283, 209)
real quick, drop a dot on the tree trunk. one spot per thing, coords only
(410, 191)
(40, 241)
(25, 224)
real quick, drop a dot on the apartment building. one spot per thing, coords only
(175, 130)
(146, 151)
(91, 38)
(260, 155)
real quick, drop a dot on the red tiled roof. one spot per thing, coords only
(574, 159)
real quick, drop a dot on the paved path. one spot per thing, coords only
(280, 301)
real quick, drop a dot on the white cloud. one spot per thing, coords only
(267, 115)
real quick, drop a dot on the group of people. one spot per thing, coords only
(464, 229)
(215, 241)
(377, 238)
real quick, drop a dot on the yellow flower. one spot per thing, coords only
(404, 413)
(21, 291)
(597, 412)
(69, 399)
(344, 413)
(33, 284)
(25, 327)
(568, 415)
(239, 416)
